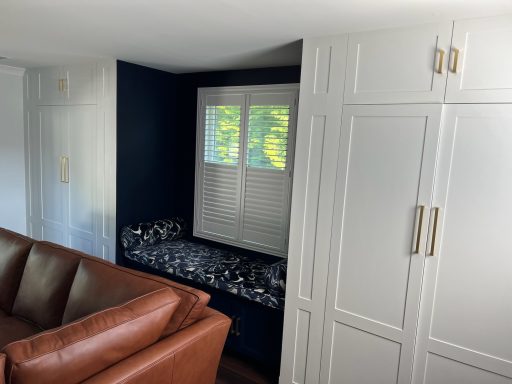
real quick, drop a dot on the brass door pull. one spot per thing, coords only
(418, 231)
(456, 53)
(62, 169)
(434, 232)
(440, 62)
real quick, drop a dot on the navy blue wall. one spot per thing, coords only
(156, 137)
(146, 144)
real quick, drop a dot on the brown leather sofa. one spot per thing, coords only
(66, 317)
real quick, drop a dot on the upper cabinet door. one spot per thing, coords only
(480, 61)
(80, 84)
(406, 65)
(50, 86)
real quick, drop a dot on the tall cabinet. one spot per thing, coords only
(399, 265)
(70, 130)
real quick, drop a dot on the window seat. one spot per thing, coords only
(242, 275)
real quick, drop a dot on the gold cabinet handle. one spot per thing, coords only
(418, 231)
(440, 62)
(456, 53)
(66, 169)
(434, 232)
(62, 169)
(64, 85)
(60, 85)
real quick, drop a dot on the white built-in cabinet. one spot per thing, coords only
(399, 262)
(70, 135)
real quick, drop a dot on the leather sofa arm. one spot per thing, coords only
(189, 356)
(2, 368)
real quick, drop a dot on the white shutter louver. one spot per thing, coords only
(243, 183)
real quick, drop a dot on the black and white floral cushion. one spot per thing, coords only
(154, 232)
(241, 275)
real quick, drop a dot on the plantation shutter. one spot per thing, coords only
(220, 171)
(244, 166)
(266, 190)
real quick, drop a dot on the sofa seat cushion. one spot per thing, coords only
(76, 351)
(14, 329)
(242, 275)
(14, 249)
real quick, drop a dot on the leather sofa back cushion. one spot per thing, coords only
(14, 251)
(76, 351)
(99, 285)
(45, 285)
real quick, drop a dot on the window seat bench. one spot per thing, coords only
(252, 278)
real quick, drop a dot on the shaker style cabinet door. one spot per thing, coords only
(481, 61)
(465, 324)
(383, 193)
(406, 65)
(50, 85)
(81, 84)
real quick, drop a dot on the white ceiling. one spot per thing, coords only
(202, 35)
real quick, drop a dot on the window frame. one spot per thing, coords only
(245, 92)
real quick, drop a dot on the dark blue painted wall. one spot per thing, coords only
(156, 137)
(147, 142)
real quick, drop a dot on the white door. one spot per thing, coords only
(318, 132)
(80, 86)
(51, 85)
(406, 65)
(481, 61)
(385, 175)
(81, 178)
(465, 325)
(54, 196)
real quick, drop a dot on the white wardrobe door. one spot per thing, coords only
(318, 131)
(465, 323)
(385, 171)
(53, 188)
(81, 124)
(49, 86)
(482, 72)
(81, 84)
(398, 65)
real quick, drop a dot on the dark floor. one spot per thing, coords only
(236, 371)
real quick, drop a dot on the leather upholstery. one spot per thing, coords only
(118, 321)
(76, 351)
(190, 356)
(13, 328)
(2, 368)
(45, 285)
(14, 250)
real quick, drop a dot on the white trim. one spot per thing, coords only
(8, 70)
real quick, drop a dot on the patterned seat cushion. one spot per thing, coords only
(242, 275)
(154, 232)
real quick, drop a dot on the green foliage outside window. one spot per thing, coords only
(267, 135)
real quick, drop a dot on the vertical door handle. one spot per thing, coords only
(232, 328)
(65, 169)
(62, 169)
(237, 326)
(419, 228)
(456, 53)
(60, 85)
(433, 238)
(440, 61)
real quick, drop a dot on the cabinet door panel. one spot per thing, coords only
(466, 314)
(385, 170)
(397, 65)
(81, 84)
(484, 61)
(53, 192)
(50, 86)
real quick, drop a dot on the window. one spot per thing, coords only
(245, 140)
